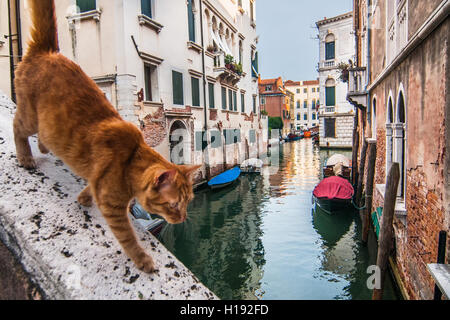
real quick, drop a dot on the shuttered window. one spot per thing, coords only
(191, 21)
(330, 95)
(234, 101)
(330, 127)
(230, 100)
(86, 5)
(148, 82)
(195, 92)
(254, 104)
(242, 102)
(146, 8)
(224, 98)
(330, 50)
(212, 104)
(177, 85)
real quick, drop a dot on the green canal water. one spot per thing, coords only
(261, 238)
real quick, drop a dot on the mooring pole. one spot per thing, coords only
(372, 156)
(361, 174)
(441, 260)
(386, 228)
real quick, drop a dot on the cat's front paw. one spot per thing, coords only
(145, 264)
(27, 162)
(85, 200)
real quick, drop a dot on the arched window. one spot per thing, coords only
(400, 141)
(191, 20)
(389, 135)
(374, 118)
(330, 47)
(241, 52)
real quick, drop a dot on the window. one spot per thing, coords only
(313, 104)
(212, 103)
(330, 47)
(195, 92)
(240, 3)
(252, 13)
(230, 100)
(224, 98)
(313, 89)
(191, 20)
(268, 88)
(263, 100)
(254, 64)
(305, 117)
(314, 116)
(146, 8)
(298, 104)
(330, 127)
(305, 90)
(254, 104)
(241, 50)
(86, 5)
(177, 85)
(234, 101)
(298, 116)
(298, 90)
(149, 79)
(305, 104)
(243, 102)
(330, 93)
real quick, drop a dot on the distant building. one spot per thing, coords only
(276, 101)
(306, 102)
(167, 66)
(336, 114)
(403, 51)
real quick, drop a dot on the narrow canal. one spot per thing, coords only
(261, 239)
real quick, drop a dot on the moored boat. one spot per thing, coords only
(225, 179)
(334, 194)
(338, 165)
(307, 134)
(253, 165)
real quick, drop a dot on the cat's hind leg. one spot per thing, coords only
(23, 130)
(43, 148)
(85, 197)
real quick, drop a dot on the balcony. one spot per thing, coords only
(327, 64)
(357, 94)
(226, 72)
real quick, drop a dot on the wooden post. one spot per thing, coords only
(386, 228)
(362, 165)
(355, 150)
(372, 156)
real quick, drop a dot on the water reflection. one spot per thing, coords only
(261, 239)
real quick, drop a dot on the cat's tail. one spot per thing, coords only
(44, 33)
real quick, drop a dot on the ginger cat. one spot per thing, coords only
(74, 120)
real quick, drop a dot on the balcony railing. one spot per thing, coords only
(327, 64)
(357, 94)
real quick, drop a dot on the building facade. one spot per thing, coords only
(306, 103)
(175, 69)
(336, 114)
(275, 101)
(400, 86)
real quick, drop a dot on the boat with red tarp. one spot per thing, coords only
(333, 194)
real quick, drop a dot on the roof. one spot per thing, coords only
(290, 83)
(334, 19)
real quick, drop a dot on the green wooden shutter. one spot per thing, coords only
(242, 103)
(234, 101)
(195, 92)
(148, 83)
(191, 22)
(230, 100)
(146, 8)
(86, 5)
(330, 51)
(330, 94)
(224, 98)
(211, 95)
(177, 84)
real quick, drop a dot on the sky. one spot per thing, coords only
(288, 45)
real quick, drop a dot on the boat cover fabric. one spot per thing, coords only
(227, 176)
(253, 162)
(334, 188)
(338, 158)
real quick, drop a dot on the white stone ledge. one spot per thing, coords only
(69, 251)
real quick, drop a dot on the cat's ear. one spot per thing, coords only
(164, 178)
(189, 171)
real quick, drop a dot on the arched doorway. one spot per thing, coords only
(389, 135)
(401, 142)
(180, 145)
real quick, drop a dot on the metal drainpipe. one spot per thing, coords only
(206, 151)
(11, 55)
(19, 30)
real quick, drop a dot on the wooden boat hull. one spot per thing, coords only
(334, 206)
(220, 186)
(224, 179)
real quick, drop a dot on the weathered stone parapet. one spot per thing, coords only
(69, 251)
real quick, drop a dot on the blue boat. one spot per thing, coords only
(225, 179)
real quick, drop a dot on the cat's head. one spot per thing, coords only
(168, 191)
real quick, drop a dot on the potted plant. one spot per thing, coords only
(343, 68)
(229, 61)
(238, 68)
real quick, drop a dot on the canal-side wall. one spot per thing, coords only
(60, 250)
(343, 131)
(422, 78)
